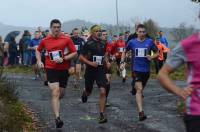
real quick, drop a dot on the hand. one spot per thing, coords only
(40, 64)
(113, 58)
(122, 66)
(149, 57)
(94, 64)
(66, 57)
(108, 65)
(59, 60)
(184, 93)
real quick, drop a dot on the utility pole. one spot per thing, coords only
(117, 16)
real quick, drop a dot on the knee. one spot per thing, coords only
(103, 92)
(139, 90)
(56, 92)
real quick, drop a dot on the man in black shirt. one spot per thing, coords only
(76, 64)
(93, 55)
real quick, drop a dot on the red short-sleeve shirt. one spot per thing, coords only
(51, 44)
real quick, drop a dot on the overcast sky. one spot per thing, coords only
(167, 13)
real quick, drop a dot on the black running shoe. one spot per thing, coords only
(45, 83)
(142, 116)
(59, 123)
(84, 97)
(102, 119)
(107, 104)
(124, 80)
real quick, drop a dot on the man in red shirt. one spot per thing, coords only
(108, 71)
(60, 50)
(119, 48)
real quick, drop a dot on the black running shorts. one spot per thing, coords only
(97, 75)
(141, 77)
(60, 76)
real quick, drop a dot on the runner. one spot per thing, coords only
(141, 48)
(76, 64)
(60, 51)
(160, 59)
(33, 45)
(187, 52)
(164, 41)
(126, 36)
(92, 55)
(119, 48)
(108, 72)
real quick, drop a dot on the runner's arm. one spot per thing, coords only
(72, 49)
(84, 60)
(175, 60)
(70, 56)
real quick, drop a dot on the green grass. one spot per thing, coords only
(13, 114)
(18, 69)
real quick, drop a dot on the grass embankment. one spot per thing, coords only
(14, 116)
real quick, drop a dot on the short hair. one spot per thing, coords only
(103, 30)
(140, 26)
(127, 32)
(55, 21)
(74, 29)
(37, 32)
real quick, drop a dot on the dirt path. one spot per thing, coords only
(160, 108)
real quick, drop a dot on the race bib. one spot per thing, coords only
(54, 55)
(121, 49)
(140, 52)
(36, 46)
(98, 59)
(77, 47)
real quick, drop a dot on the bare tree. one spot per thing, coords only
(152, 28)
(182, 31)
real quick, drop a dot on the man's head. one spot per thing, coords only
(55, 26)
(127, 33)
(121, 36)
(104, 36)
(37, 34)
(75, 32)
(161, 33)
(157, 40)
(95, 31)
(115, 38)
(141, 31)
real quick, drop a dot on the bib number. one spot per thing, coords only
(77, 47)
(98, 59)
(54, 55)
(140, 52)
(121, 49)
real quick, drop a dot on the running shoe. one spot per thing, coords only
(59, 122)
(107, 104)
(45, 83)
(142, 116)
(124, 80)
(102, 118)
(84, 97)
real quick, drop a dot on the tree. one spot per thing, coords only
(182, 31)
(152, 28)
